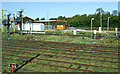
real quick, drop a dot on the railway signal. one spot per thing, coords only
(19, 21)
(6, 22)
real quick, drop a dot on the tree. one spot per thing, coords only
(108, 13)
(53, 18)
(43, 18)
(85, 21)
(61, 18)
(37, 19)
(85, 15)
(114, 12)
(100, 10)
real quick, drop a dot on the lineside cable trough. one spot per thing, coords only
(25, 62)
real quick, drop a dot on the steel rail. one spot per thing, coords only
(75, 44)
(54, 65)
(64, 61)
(68, 50)
(64, 50)
(66, 56)
(68, 53)
(93, 49)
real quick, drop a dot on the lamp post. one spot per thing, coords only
(108, 24)
(91, 27)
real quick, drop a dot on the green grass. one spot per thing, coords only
(37, 67)
(81, 61)
(107, 40)
(33, 67)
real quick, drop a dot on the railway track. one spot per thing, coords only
(66, 56)
(76, 50)
(64, 43)
(28, 47)
(69, 53)
(61, 61)
(97, 37)
(71, 49)
(54, 65)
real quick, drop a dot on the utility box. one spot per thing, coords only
(94, 31)
(94, 34)
(116, 30)
(100, 29)
(74, 32)
(60, 27)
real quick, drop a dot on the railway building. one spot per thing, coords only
(31, 24)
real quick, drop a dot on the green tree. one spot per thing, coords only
(37, 19)
(43, 18)
(85, 21)
(53, 19)
(61, 18)
(99, 10)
